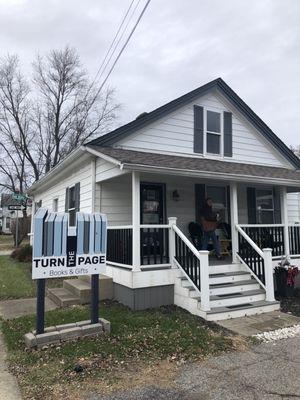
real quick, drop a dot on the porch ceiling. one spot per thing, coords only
(199, 166)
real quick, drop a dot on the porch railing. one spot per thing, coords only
(294, 239)
(154, 245)
(283, 240)
(257, 261)
(119, 245)
(193, 263)
(267, 236)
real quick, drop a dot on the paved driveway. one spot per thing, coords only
(267, 371)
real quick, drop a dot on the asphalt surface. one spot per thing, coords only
(267, 371)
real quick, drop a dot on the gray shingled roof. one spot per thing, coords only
(197, 164)
(123, 131)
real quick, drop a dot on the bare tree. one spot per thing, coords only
(43, 122)
(71, 109)
(14, 126)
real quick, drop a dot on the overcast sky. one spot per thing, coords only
(254, 45)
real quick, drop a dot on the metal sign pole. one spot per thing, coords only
(40, 306)
(95, 299)
(17, 230)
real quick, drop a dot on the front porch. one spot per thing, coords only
(153, 250)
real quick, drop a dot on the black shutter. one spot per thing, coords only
(277, 209)
(199, 199)
(227, 134)
(198, 129)
(77, 196)
(251, 204)
(67, 200)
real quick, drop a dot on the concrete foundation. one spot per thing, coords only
(61, 333)
(144, 298)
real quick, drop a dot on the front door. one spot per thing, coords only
(153, 240)
(152, 203)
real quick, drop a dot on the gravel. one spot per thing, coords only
(279, 334)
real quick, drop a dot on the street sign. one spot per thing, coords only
(19, 197)
(17, 207)
(63, 251)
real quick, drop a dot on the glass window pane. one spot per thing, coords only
(264, 199)
(265, 217)
(213, 143)
(72, 197)
(213, 121)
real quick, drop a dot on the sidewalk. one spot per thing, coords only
(10, 309)
(255, 324)
(9, 389)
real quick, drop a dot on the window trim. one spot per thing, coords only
(258, 211)
(220, 134)
(55, 201)
(71, 208)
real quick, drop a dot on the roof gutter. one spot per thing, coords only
(211, 175)
(65, 162)
(104, 156)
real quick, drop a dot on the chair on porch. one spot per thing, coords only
(196, 234)
(225, 238)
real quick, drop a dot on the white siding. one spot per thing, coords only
(106, 170)
(80, 174)
(174, 134)
(293, 202)
(115, 200)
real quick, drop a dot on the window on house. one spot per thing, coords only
(219, 198)
(213, 132)
(55, 205)
(38, 204)
(8, 220)
(72, 206)
(265, 206)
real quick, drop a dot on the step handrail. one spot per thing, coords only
(250, 241)
(202, 257)
(186, 241)
(266, 255)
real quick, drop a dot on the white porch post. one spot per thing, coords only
(269, 274)
(204, 280)
(284, 219)
(136, 222)
(234, 219)
(31, 222)
(172, 245)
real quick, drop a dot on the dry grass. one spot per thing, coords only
(7, 242)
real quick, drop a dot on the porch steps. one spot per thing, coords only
(233, 293)
(78, 291)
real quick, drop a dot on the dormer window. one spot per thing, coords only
(213, 132)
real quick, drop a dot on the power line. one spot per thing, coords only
(120, 38)
(124, 46)
(113, 41)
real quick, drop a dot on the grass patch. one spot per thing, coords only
(15, 279)
(6, 242)
(137, 337)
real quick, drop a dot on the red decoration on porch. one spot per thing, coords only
(291, 276)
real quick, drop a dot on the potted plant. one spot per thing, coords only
(285, 275)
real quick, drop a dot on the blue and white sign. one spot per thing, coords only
(63, 251)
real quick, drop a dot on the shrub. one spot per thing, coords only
(23, 254)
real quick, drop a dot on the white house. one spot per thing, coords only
(7, 215)
(151, 176)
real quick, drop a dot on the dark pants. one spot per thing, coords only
(211, 235)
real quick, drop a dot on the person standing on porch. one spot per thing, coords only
(209, 221)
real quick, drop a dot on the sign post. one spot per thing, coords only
(63, 251)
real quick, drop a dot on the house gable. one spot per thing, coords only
(170, 129)
(174, 134)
